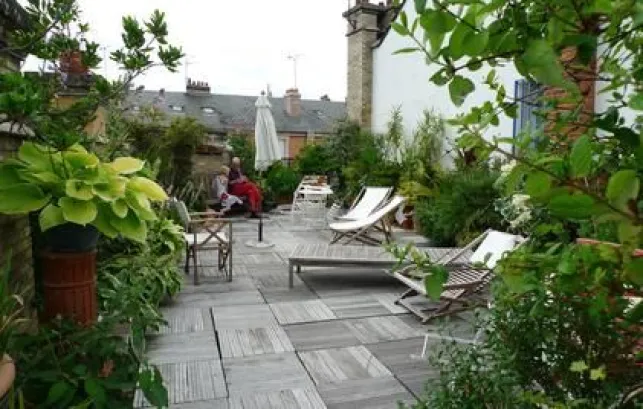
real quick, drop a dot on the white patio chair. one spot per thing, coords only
(362, 230)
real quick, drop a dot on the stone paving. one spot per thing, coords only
(336, 340)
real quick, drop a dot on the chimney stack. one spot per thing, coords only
(325, 97)
(292, 101)
(197, 87)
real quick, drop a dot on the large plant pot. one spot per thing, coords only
(69, 286)
(7, 377)
(72, 238)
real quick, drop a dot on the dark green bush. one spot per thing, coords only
(281, 180)
(314, 160)
(462, 208)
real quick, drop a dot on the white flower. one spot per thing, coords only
(508, 167)
(520, 200)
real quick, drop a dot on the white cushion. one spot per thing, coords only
(495, 245)
(201, 238)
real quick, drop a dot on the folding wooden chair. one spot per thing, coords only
(369, 200)
(362, 230)
(206, 231)
(470, 272)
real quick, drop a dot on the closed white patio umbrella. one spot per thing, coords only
(266, 142)
(267, 150)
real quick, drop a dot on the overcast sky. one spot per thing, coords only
(238, 46)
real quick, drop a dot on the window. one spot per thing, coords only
(176, 108)
(136, 108)
(528, 120)
(283, 147)
(208, 110)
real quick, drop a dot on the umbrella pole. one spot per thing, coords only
(261, 224)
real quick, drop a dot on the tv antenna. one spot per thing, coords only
(294, 58)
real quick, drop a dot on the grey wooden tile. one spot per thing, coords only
(379, 329)
(166, 348)
(219, 285)
(404, 360)
(275, 279)
(203, 404)
(260, 259)
(283, 399)
(219, 299)
(265, 373)
(332, 366)
(388, 301)
(190, 382)
(375, 393)
(357, 306)
(301, 311)
(278, 295)
(182, 320)
(243, 316)
(321, 335)
(242, 342)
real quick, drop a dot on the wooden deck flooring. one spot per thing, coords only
(335, 340)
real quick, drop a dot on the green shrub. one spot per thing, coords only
(243, 147)
(281, 180)
(314, 159)
(462, 208)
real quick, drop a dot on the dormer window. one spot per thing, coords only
(136, 108)
(176, 108)
(208, 110)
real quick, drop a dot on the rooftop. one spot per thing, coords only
(335, 340)
(223, 113)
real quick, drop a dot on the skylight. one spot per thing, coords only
(208, 110)
(176, 108)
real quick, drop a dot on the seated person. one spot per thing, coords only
(239, 185)
(221, 187)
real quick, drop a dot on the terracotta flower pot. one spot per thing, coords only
(7, 377)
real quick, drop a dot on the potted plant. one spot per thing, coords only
(76, 197)
(11, 307)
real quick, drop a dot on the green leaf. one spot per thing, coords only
(420, 6)
(78, 190)
(148, 187)
(634, 271)
(636, 102)
(580, 158)
(578, 366)
(542, 62)
(434, 282)
(571, 206)
(37, 156)
(96, 391)
(475, 43)
(400, 29)
(437, 21)
(50, 216)
(126, 165)
(439, 78)
(457, 40)
(538, 184)
(9, 176)
(120, 208)
(407, 50)
(597, 374)
(459, 88)
(111, 190)
(80, 160)
(22, 198)
(622, 187)
(57, 392)
(103, 221)
(131, 227)
(78, 211)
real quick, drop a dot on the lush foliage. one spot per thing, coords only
(73, 186)
(67, 366)
(314, 159)
(561, 310)
(242, 146)
(11, 308)
(461, 207)
(281, 180)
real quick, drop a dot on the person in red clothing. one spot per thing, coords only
(240, 185)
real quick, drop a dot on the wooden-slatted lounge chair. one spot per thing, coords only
(370, 199)
(468, 275)
(205, 231)
(345, 232)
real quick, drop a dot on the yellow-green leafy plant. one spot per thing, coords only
(74, 186)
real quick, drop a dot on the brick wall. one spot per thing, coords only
(15, 234)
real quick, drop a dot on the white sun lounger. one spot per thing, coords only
(370, 199)
(361, 230)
